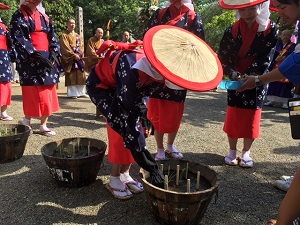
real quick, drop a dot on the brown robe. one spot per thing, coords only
(73, 76)
(92, 58)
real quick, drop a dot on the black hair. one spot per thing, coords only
(289, 2)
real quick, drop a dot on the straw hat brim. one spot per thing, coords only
(239, 4)
(272, 7)
(182, 58)
(3, 6)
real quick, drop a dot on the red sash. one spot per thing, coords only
(177, 14)
(248, 36)
(38, 37)
(104, 70)
(281, 53)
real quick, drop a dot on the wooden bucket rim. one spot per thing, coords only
(212, 189)
(44, 148)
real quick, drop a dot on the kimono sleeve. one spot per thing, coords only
(20, 33)
(54, 43)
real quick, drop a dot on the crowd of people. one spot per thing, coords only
(117, 83)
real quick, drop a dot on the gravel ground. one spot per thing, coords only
(29, 196)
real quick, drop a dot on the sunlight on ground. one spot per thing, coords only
(24, 169)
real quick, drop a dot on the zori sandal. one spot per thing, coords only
(174, 155)
(134, 186)
(232, 162)
(246, 164)
(6, 118)
(119, 193)
(47, 133)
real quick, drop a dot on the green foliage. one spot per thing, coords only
(123, 16)
(130, 15)
(6, 14)
(59, 11)
(215, 22)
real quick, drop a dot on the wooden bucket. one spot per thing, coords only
(13, 141)
(181, 207)
(74, 171)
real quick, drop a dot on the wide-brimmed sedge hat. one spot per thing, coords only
(182, 58)
(239, 4)
(3, 6)
(272, 7)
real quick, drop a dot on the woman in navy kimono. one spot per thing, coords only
(118, 90)
(6, 55)
(38, 50)
(166, 114)
(244, 50)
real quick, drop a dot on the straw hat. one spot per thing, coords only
(3, 6)
(182, 58)
(272, 7)
(239, 4)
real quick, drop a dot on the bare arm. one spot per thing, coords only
(249, 81)
(289, 209)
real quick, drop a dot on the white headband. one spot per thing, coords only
(187, 3)
(263, 14)
(40, 7)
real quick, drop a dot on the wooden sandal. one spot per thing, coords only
(114, 190)
(135, 186)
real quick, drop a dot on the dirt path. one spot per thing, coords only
(28, 195)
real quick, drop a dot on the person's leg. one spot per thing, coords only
(115, 185)
(232, 159)
(159, 138)
(246, 159)
(43, 126)
(133, 185)
(289, 209)
(4, 115)
(174, 153)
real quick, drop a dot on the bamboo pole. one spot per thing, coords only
(188, 185)
(166, 182)
(177, 174)
(198, 180)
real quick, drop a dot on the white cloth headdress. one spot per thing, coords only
(39, 7)
(263, 14)
(187, 3)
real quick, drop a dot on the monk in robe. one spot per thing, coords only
(92, 47)
(72, 53)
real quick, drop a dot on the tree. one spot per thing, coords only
(59, 11)
(7, 14)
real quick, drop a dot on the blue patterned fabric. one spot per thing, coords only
(121, 107)
(5, 57)
(30, 71)
(260, 49)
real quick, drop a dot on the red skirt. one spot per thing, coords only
(39, 100)
(242, 123)
(165, 115)
(117, 153)
(5, 93)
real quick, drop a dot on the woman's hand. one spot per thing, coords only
(249, 83)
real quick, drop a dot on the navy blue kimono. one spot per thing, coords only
(23, 25)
